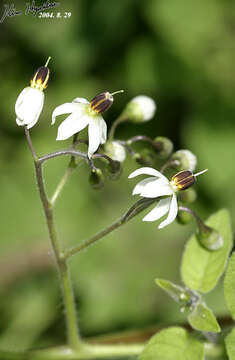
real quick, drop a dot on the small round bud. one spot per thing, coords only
(184, 217)
(114, 170)
(146, 157)
(115, 150)
(140, 109)
(210, 238)
(182, 180)
(188, 196)
(96, 179)
(187, 160)
(165, 145)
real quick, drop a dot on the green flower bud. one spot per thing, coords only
(114, 170)
(187, 196)
(96, 179)
(165, 145)
(146, 157)
(184, 217)
(210, 238)
(140, 109)
(187, 160)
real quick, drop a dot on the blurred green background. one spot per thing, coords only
(181, 53)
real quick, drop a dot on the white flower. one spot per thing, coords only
(158, 185)
(81, 115)
(115, 150)
(28, 106)
(30, 102)
(155, 186)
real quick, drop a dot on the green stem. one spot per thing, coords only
(72, 165)
(61, 185)
(89, 352)
(115, 124)
(138, 207)
(74, 339)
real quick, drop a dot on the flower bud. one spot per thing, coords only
(187, 160)
(114, 170)
(184, 217)
(140, 109)
(115, 151)
(146, 158)
(96, 179)
(40, 78)
(210, 238)
(165, 145)
(188, 196)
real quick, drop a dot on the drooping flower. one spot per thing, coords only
(141, 108)
(30, 101)
(84, 113)
(159, 186)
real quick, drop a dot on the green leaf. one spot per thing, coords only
(174, 343)
(229, 286)
(203, 319)
(230, 344)
(202, 268)
(178, 293)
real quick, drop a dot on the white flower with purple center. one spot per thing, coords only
(84, 113)
(159, 186)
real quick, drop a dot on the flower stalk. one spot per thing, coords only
(138, 207)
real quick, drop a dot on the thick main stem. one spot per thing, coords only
(74, 339)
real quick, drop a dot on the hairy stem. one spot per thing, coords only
(74, 339)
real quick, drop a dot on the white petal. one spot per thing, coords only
(28, 106)
(156, 188)
(71, 125)
(158, 211)
(103, 132)
(140, 186)
(172, 213)
(66, 109)
(95, 129)
(147, 171)
(80, 100)
(19, 122)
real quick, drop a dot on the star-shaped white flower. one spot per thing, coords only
(158, 185)
(81, 115)
(153, 187)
